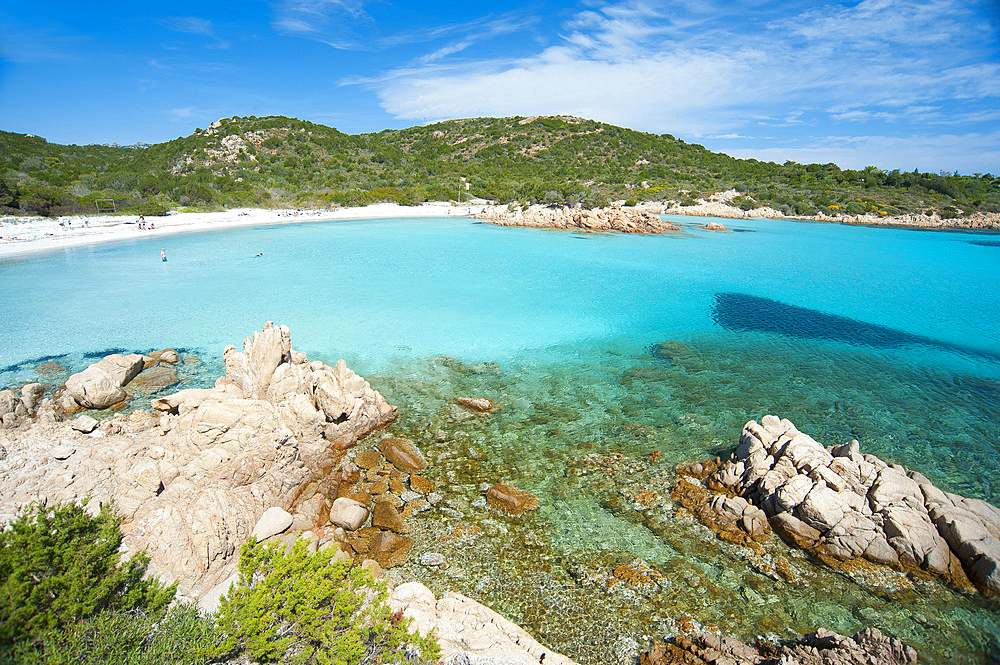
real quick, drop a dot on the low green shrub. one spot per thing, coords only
(59, 565)
(305, 608)
(133, 637)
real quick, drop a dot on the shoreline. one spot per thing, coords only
(720, 205)
(25, 236)
(37, 235)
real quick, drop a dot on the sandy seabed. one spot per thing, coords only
(21, 236)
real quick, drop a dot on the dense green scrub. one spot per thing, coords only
(67, 598)
(278, 161)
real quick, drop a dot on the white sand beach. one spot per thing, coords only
(21, 236)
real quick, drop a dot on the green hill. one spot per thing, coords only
(284, 162)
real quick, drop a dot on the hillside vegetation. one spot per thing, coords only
(284, 162)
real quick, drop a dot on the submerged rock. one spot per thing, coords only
(403, 454)
(845, 506)
(511, 500)
(480, 404)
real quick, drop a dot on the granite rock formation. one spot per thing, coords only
(614, 218)
(846, 506)
(103, 383)
(193, 478)
(469, 633)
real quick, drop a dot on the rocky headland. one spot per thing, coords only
(849, 509)
(262, 454)
(613, 218)
(721, 204)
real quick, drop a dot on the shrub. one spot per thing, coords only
(745, 203)
(306, 608)
(133, 637)
(630, 202)
(59, 565)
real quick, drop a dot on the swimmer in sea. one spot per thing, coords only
(163, 254)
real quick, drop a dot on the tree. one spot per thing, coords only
(307, 608)
(59, 565)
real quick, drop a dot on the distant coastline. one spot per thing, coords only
(20, 236)
(720, 205)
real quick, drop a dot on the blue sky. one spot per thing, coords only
(892, 83)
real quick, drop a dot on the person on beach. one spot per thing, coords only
(163, 254)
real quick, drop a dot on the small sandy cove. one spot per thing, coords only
(30, 235)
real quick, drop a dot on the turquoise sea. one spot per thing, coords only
(599, 350)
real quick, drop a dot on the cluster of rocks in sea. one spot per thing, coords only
(823, 647)
(846, 507)
(612, 218)
(99, 386)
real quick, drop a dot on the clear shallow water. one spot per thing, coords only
(568, 320)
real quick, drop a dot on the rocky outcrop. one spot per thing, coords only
(13, 410)
(625, 220)
(103, 383)
(193, 478)
(867, 647)
(846, 506)
(469, 633)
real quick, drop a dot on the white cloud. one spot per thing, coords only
(679, 92)
(331, 22)
(699, 68)
(182, 113)
(23, 45)
(194, 25)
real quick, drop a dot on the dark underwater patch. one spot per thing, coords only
(744, 313)
(985, 243)
(106, 352)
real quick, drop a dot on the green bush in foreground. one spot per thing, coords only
(305, 608)
(132, 637)
(59, 565)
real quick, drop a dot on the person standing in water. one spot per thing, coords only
(163, 254)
